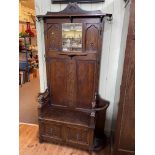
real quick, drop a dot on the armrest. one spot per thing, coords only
(99, 105)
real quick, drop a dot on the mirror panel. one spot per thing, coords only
(72, 37)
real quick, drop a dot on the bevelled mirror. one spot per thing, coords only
(72, 37)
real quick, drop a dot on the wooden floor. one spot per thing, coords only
(29, 145)
(28, 102)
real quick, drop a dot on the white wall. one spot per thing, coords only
(120, 63)
(111, 47)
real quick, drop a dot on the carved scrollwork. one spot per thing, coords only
(43, 98)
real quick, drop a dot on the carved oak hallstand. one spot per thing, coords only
(71, 112)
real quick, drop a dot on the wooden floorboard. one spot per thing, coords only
(29, 144)
(28, 104)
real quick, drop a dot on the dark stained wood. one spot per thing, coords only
(85, 83)
(92, 32)
(72, 110)
(58, 80)
(100, 117)
(29, 145)
(125, 131)
(54, 32)
(74, 11)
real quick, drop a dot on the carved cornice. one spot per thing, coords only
(73, 10)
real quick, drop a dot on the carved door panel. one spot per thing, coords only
(57, 81)
(62, 81)
(85, 83)
(91, 37)
(53, 37)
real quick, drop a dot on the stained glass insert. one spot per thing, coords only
(72, 37)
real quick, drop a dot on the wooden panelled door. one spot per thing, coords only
(125, 130)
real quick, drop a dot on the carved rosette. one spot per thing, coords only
(43, 98)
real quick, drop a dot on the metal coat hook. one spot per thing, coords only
(38, 19)
(109, 18)
(127, 2)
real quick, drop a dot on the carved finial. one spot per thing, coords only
(92, 114)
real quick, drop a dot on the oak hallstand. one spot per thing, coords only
(71, 112)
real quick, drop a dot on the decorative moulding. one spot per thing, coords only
(73, 10)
